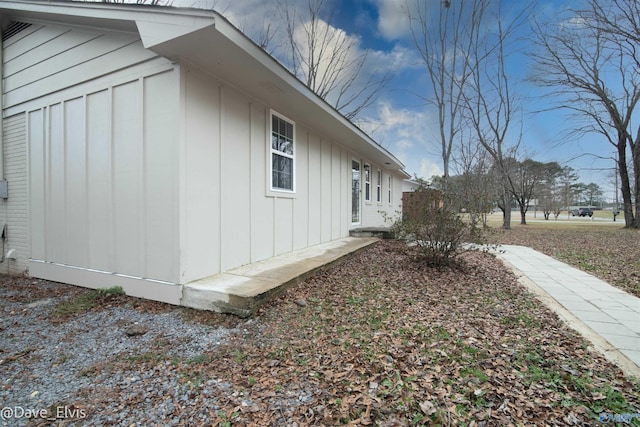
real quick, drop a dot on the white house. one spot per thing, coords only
(150, 147)
(409, 185)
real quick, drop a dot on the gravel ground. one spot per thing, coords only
(53, 367)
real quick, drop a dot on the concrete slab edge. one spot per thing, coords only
(244, 306)
(599, 343)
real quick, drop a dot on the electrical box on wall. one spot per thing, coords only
(4, 189)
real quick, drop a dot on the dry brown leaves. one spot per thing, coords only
(383, 340)
(386, 341)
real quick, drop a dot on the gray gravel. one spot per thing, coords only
(44, 364)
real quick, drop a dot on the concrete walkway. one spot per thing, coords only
(607, 316)
(242, 290)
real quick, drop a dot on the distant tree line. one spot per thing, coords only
(551, 187)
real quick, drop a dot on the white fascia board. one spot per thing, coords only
(155, 24)
(153, 33)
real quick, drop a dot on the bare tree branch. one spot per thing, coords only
(491, 105)
(591, 63)
(329, 61)
(444, 37)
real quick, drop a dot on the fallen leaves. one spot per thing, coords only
(382, 340)
(385, 341)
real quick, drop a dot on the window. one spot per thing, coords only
(367, 182)
(379, 187)
(390, 187)
(282, 154)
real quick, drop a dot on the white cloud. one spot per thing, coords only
(408, 135)
(402, 127)
(428, 168)
(393, 22)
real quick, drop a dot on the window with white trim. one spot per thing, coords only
(389, 189)
(367, 182)
(379, 187)
(282, 153)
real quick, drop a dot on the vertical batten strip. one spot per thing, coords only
(111, 214)
(87, 249)
(221, 164)
(250, 169)
(47, 177)
(142, 189)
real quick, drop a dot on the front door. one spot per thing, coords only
(355, 192)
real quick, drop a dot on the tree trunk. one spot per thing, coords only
(635, 156)
(506, 201)
(523, 215)
(625, 188)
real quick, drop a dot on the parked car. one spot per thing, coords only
(582, 212)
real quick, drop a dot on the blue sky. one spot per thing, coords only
(401, 121)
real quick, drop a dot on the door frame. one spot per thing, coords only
(358, 190)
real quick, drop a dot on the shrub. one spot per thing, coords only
(428, 224)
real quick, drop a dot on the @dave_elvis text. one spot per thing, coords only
(59, 412)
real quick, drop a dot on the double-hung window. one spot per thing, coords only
(367, 182)
(282, 153)
(390, 189)
(379, 187)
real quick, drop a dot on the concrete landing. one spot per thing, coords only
(242, 290)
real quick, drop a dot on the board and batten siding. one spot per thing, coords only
(14, 209)
(231, 218)
(100, 125)
(372, 211)
(103, 180)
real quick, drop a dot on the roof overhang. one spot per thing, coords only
(207, 40)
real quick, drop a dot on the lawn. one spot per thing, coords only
(604, 249)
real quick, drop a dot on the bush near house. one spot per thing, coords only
(435, 231)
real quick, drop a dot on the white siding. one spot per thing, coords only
(101, 246)
(103, 180)
(14, 209)
(315, 187)
(372, 211)
(226, 179)
(201, 171)
(301, 221)
(101, 133)
(325, 191)
(236, 180)
(48, 58)
(262, 213)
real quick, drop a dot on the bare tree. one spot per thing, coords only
(491, 102)
(473, 183)
(554, 190)
(527, 182)
(444, 35)
(328, 60)
(591, 60)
